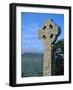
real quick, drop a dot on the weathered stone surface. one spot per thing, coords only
(48, 33)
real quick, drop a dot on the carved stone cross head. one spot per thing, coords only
(49, 31)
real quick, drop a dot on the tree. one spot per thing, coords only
(58, 58)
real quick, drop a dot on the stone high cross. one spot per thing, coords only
(48, 33)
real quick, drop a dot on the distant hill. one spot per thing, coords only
(32, 54)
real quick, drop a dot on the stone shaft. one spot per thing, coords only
(47, 60)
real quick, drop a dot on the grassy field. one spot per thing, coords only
(32, 64)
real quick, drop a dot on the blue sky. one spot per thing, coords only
(30, 25)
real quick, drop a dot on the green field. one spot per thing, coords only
(32, 64)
